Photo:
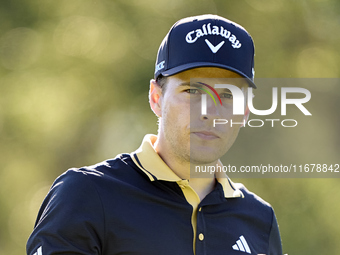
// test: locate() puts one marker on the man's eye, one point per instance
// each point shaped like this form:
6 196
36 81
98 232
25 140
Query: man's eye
226 95
192 91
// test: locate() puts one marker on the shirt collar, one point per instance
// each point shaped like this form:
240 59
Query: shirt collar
147 159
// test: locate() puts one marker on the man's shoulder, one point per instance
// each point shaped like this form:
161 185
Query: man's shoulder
119 168
106 167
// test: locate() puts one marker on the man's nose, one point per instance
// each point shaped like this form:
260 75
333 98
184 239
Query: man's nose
210 108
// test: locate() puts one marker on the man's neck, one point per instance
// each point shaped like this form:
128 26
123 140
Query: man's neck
202 185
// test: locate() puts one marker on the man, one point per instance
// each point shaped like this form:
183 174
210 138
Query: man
147 202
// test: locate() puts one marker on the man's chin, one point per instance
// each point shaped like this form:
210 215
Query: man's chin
203 158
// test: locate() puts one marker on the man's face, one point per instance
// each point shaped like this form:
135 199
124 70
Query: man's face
186 133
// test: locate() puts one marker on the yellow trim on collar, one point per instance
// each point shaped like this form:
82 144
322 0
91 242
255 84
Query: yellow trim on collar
153 166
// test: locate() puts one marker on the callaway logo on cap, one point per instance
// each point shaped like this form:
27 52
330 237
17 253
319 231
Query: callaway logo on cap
206 41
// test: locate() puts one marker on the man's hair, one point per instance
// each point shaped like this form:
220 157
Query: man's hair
161 81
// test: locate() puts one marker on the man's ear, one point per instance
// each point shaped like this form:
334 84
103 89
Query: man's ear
155 98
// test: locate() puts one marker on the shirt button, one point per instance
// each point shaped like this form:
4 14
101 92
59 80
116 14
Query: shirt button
201 237
200 209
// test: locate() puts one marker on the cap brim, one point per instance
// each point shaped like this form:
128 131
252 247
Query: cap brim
185 67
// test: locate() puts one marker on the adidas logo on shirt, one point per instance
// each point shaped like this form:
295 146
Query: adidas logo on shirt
241 245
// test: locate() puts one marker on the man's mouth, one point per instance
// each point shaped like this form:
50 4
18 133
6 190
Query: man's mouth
206 135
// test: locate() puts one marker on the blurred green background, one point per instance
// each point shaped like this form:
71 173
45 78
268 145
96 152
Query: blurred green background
74 77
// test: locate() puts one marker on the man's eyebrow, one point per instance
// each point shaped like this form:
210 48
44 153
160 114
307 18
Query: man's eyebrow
226 90
198 85
184 84
192 84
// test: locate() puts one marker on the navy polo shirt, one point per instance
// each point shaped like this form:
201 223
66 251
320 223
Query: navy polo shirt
134 204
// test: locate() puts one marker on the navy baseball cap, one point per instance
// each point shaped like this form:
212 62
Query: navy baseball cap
206 41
